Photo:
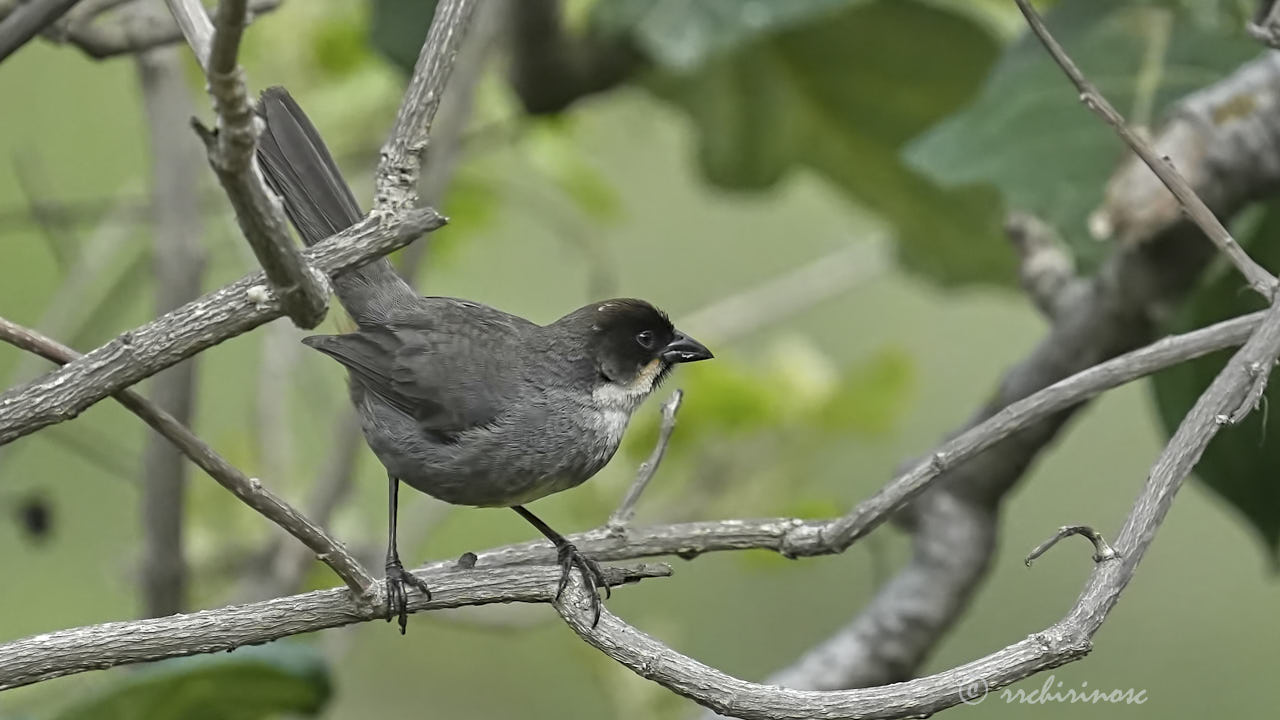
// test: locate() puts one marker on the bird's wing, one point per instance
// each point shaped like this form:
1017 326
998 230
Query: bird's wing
450 366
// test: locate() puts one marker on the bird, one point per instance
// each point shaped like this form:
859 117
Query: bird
460 400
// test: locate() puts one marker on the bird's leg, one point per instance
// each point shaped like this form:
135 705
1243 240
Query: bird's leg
569 558
397 577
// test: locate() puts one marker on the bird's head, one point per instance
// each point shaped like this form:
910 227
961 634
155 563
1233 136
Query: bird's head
632 346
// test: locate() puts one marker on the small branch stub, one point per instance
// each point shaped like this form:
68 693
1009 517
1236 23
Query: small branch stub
1101 550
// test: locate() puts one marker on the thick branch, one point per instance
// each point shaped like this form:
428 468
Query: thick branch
1259 279
96 647
401 159
248 489
196 326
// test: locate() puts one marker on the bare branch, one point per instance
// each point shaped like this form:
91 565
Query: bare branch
401 158
178 261
1065 641
96 647
1259 279
55 654
1231 154
250 490
302 294
1101 550
27 20
627 510
196 326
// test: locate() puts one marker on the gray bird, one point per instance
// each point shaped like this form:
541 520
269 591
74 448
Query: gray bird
464 402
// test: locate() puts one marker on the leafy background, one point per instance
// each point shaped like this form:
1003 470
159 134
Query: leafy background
756 138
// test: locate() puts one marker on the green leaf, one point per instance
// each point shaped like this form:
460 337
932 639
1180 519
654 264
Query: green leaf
841 96
398 28
1028 135
1240 463
248 684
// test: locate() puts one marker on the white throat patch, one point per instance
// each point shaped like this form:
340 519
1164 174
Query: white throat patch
628 396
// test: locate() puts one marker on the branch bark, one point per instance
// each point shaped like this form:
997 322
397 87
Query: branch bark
96 647
235 309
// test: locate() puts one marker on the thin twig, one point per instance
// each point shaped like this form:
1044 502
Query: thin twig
27 20
250 490
1101 550
290 561
96 647
301 293
627 510
401 159
236 308
1259 279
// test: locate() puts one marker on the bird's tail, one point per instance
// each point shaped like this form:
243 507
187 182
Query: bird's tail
298 166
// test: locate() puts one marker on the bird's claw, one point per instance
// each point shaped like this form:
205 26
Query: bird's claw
397 598
592 575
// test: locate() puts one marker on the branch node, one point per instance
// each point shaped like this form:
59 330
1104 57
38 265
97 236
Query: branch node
1101 550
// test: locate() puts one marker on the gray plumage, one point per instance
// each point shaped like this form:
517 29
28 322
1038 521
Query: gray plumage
460 400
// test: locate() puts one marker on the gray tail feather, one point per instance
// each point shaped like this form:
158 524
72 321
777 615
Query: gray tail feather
299 168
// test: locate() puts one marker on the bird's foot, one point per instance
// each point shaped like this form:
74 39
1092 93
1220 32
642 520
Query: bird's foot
592 575
397 598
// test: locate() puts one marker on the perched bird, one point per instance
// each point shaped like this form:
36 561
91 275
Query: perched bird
459 400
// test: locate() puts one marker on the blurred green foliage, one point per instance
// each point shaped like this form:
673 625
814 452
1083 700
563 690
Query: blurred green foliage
248 684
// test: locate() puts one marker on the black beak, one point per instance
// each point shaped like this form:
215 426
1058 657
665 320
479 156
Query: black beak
683 349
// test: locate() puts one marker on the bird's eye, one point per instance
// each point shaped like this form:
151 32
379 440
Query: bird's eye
645 339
